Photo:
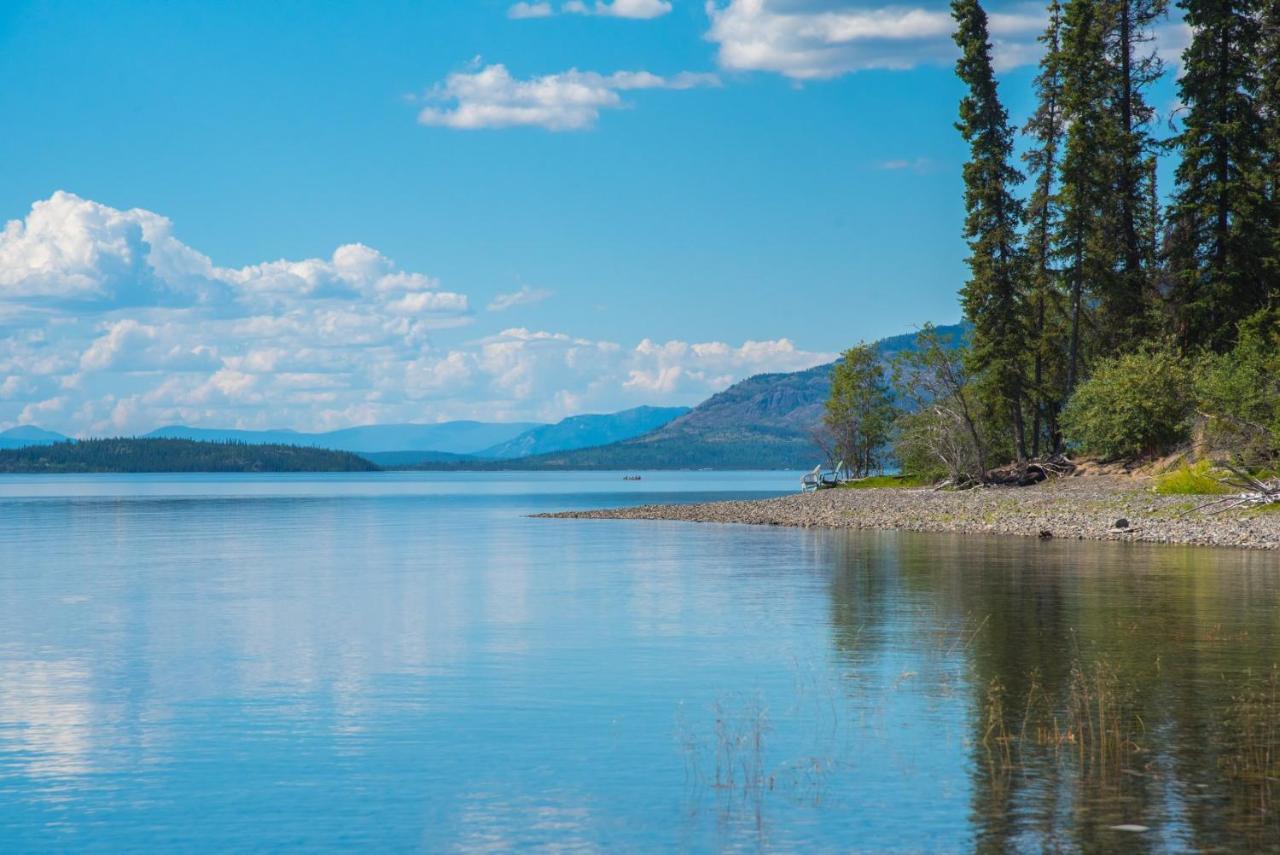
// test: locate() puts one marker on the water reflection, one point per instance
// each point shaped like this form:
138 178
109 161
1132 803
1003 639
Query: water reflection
1107 685
437 670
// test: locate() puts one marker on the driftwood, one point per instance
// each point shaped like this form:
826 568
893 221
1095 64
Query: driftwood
1254 493
1030 472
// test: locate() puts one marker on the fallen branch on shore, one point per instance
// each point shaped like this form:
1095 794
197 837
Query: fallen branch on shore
1255 492
1030 472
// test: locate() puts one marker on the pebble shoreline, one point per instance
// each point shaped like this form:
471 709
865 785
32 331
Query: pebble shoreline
1084 508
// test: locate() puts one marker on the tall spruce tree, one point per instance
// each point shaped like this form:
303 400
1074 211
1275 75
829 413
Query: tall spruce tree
1220 243
992 298
1132 66
1084 243
1045 130
1269 105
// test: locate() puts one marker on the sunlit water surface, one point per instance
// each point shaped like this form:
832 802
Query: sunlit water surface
409 661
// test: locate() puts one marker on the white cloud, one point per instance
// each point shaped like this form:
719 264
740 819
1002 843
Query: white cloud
530 10
568 101
113 326
72 250
918 165
636 9
814 41
523 297
632 9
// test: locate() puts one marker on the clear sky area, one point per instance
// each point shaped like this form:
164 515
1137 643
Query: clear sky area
315 215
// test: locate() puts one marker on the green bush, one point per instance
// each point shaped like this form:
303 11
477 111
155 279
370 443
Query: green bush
1188 480
1134 405
1239 392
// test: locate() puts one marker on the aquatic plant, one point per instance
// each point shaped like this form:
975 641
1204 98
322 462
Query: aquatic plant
1095 723
1252 723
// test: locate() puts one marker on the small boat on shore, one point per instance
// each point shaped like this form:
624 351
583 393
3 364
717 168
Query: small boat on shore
630 477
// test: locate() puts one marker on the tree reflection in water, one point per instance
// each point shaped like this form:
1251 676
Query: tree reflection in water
1106 685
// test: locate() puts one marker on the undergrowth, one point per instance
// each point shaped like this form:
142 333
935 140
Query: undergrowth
1199 479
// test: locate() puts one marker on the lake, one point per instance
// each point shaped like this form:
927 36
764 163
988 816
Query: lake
408 661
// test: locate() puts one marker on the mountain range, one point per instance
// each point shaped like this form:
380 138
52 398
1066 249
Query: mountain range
584 432
763 422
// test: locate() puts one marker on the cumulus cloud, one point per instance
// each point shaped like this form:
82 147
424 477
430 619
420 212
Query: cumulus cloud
72 250
113 326
523 297
814 41
568 101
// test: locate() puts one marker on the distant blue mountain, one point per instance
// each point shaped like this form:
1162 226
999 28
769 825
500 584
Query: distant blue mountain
584 432
460 437
24 436
763 422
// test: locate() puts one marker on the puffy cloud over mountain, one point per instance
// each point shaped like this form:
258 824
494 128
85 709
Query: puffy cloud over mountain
111 324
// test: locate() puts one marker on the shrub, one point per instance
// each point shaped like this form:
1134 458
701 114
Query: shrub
1197 480
1239 392
1134 405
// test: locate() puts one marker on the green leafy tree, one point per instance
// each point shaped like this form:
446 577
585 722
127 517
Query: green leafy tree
1133 405
1239 392
993 297
940 427
1221 216
859 413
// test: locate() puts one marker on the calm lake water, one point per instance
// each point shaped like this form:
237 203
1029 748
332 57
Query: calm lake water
408 661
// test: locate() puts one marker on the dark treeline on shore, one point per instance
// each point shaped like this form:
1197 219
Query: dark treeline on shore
176 455
1107 316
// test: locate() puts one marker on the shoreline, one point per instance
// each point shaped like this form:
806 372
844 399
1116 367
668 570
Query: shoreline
1079 508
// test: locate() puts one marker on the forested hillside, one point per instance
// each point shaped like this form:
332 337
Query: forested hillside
176 455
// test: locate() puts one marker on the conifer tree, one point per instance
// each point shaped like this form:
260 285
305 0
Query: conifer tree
1083 243
1221 211
992 298
1132 66
1045 130
1269 106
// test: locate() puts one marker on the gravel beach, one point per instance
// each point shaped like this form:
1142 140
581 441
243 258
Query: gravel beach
1082 508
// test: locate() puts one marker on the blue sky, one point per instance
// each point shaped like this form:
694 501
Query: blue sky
555 208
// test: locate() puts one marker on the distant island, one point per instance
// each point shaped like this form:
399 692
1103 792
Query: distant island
175 455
